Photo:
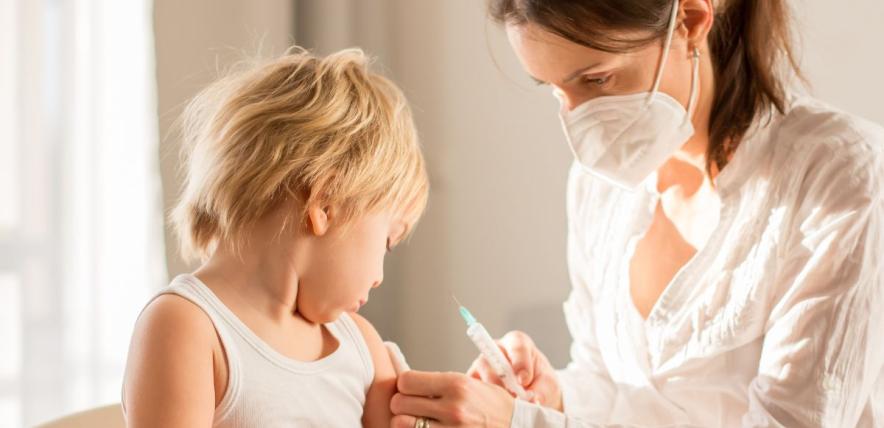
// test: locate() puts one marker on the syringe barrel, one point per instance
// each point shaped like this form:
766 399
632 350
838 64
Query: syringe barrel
495 358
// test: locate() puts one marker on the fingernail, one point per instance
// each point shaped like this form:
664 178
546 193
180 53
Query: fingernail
523 378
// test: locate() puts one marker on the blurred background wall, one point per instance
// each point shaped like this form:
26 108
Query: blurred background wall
196 40
494 232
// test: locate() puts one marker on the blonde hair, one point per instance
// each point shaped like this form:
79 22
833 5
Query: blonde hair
316 130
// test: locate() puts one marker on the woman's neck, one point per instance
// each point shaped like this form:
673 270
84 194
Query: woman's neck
686 168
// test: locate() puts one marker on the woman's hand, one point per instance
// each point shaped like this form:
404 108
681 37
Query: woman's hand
531 367
449 400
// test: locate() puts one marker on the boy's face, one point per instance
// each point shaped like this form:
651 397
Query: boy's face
344 264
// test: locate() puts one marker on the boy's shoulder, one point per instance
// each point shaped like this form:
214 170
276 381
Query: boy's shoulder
170 361
175 320
372 338
380 357
177 310
377 400
365 326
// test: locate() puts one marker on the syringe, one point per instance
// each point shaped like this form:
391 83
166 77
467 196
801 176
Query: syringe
493 355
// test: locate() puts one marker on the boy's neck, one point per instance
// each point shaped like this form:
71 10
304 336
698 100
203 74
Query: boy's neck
260 276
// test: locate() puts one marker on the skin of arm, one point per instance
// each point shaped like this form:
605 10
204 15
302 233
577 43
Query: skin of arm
377 402
170 376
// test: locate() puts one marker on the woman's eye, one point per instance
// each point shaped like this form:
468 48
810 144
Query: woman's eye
597 81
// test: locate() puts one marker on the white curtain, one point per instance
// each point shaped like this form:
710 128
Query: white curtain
80 214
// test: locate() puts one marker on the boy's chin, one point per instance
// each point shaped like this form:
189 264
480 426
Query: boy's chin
328 317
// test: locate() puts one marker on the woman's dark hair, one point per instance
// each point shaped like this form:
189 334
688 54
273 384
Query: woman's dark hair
748 42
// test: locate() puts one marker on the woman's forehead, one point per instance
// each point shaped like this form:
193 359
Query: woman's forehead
551 58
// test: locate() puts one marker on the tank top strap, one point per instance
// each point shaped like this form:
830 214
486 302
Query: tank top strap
345 329
187 287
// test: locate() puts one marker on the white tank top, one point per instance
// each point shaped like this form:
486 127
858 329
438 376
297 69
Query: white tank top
267 389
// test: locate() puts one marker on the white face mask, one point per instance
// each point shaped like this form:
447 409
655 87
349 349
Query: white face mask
625 138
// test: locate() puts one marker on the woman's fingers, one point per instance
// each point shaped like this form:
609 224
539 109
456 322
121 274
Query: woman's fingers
546 384
480 369
402 404
427 384
450 399
476 369
442 411
520 350
408 421
521 354
538 390
473 371
403 421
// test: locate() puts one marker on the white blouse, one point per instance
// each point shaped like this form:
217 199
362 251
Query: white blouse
777 321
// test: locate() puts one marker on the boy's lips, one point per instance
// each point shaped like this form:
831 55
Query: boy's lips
360 304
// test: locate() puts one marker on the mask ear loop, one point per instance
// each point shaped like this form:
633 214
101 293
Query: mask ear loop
668 44
695 80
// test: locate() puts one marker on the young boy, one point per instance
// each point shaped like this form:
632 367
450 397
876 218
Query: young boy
302 174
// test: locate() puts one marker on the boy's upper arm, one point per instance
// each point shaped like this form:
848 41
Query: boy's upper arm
377 402
169 372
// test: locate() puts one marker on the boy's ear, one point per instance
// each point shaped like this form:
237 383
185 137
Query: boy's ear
318 219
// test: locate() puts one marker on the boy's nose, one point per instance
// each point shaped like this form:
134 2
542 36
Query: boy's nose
377 283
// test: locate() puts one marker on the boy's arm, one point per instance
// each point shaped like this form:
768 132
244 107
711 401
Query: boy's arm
377 402
169 372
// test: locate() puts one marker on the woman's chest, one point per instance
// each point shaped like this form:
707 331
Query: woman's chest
662 251
708 301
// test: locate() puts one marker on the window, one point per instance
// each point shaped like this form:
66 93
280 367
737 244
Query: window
80 217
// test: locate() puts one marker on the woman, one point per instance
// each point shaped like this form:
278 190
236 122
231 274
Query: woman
724 231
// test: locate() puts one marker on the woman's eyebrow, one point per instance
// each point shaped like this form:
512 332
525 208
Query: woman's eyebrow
570 77
577 73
